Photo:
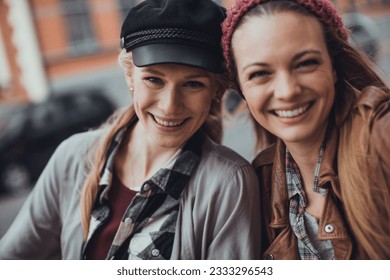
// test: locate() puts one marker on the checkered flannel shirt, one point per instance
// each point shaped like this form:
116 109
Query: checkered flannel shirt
147 228
298 202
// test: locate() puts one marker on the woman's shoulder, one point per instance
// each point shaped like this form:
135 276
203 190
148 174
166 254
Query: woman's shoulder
265 157
80 143
373 116
222 165
75 149
69 162
223 168
372 110
220 155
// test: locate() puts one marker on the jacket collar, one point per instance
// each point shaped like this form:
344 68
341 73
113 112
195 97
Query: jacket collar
328 170
279 195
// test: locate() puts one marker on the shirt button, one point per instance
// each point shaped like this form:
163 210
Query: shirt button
329 228
146 187
155 252
269 257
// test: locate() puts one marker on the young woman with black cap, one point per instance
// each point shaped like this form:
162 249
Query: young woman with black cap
152 184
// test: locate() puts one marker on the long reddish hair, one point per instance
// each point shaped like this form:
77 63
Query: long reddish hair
365 202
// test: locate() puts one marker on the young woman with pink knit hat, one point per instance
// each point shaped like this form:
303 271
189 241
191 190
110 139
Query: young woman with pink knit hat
325 182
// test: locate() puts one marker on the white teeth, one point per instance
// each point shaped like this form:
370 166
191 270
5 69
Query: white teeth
291 113
168 124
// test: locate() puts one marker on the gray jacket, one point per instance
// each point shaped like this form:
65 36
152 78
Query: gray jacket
219 215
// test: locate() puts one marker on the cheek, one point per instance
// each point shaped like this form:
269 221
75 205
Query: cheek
257 103
331 100
202 101
204 108
329 95
140 103
240 83
254 99
255 109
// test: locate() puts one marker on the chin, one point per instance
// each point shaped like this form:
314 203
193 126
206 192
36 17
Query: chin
292 136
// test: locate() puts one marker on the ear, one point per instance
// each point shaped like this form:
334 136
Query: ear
129 80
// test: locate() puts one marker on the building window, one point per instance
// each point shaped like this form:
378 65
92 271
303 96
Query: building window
80 32
126 5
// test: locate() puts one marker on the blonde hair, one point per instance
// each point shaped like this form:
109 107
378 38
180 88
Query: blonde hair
212 127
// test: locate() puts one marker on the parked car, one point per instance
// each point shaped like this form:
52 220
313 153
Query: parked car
30 133
364 33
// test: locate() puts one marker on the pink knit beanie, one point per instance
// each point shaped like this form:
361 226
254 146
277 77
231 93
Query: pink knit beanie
324 10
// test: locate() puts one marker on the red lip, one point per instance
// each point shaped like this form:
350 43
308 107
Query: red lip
175 123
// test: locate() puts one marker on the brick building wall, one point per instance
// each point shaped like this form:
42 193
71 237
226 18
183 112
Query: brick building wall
78 43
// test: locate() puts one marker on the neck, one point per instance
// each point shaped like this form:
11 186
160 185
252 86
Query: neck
306 154
138 159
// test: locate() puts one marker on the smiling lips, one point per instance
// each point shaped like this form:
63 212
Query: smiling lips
292 113
168 123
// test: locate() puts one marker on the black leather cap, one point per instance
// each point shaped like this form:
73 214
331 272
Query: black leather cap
184 32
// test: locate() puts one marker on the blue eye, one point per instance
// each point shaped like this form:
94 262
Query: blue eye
153 80
194 84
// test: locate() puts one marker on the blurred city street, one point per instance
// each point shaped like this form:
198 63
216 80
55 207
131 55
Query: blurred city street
238 133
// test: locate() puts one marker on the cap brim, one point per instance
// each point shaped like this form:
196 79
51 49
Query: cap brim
177 54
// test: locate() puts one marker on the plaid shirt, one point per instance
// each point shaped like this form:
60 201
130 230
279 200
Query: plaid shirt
307 250
147 228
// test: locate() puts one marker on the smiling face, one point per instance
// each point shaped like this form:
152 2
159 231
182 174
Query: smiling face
171 101
286 74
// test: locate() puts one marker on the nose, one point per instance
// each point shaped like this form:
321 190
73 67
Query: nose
286 86
170 101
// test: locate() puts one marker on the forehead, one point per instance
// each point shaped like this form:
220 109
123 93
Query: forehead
271 33
173 69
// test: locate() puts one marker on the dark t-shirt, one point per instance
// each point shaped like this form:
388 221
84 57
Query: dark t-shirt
119 198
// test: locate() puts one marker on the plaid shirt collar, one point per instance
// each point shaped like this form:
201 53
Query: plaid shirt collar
297 198
164 188
185 164
294 176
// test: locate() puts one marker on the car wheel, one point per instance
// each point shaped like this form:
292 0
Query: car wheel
15 177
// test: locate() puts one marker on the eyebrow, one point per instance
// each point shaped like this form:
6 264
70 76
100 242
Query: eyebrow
303 53
200 75
295 57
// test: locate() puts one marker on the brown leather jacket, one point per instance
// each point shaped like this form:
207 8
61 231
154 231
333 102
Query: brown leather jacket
278 239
